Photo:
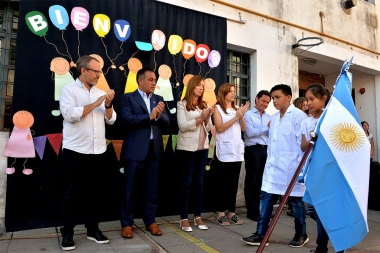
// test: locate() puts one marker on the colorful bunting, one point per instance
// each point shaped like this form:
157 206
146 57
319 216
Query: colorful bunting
55 141
39 145
117 144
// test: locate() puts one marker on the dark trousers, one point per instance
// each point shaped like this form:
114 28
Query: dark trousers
82 174
193 171
255 157
226 182
143 172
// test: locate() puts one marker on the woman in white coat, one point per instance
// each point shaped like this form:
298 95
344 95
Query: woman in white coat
193 117
229 123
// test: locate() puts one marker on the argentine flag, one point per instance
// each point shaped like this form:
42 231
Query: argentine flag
338 175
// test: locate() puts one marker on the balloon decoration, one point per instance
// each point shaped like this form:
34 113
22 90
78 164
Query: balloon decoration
80 18
158 42
213 60
174 46
201 53
102 26
188 51
60 18
38 24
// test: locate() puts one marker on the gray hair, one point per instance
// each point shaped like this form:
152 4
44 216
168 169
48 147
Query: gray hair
83 62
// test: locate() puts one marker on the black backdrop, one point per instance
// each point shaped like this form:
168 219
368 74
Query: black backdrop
34 201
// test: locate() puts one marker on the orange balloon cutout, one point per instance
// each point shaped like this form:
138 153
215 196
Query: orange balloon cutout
202 52
23 120
188 48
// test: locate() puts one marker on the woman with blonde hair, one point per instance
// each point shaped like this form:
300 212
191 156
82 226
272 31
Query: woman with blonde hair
301 103
229 123
193 117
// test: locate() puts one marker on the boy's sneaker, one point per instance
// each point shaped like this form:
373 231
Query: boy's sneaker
96 235
254 239
68 243
299 240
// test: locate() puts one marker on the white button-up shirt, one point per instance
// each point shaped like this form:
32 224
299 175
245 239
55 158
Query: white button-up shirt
83 135
147 103
284 152
256 131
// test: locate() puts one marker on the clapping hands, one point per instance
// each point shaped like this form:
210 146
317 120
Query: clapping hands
242 109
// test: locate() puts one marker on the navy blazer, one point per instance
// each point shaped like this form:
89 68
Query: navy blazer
137 126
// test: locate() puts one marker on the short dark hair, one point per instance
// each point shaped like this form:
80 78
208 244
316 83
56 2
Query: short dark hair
286 90
83 61
262 93
141 73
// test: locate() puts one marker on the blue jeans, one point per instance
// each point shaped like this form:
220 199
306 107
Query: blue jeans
268 200
193 171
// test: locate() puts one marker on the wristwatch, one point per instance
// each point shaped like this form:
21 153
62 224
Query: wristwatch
107 107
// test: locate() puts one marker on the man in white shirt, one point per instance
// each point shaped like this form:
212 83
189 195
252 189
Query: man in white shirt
284 155
255 155
85 110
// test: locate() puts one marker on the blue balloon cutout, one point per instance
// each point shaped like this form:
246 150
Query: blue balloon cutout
122 30
59 16
144 46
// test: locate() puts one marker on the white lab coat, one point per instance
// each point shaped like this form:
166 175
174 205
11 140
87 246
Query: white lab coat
284 152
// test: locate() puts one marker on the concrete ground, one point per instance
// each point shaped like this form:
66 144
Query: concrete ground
216 239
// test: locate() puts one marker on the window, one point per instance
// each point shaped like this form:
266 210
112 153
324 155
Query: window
15 21
238 73
2 10
10 81
12 52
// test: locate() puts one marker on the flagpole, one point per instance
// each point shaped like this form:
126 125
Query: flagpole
286 196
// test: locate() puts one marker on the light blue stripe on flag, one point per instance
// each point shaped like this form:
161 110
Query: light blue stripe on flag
338 173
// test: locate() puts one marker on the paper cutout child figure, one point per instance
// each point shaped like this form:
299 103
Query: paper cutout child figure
102 82
134 65
20 143
60 66
209 94
163 86
185 80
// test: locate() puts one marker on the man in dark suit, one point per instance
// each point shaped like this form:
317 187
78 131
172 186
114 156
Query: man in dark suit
143 115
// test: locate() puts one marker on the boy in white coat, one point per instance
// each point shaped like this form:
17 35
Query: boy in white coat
284 155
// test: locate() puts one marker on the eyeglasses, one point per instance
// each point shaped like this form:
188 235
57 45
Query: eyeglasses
98 72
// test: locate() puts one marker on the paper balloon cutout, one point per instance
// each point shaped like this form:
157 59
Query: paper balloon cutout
37 23
202 52
102 24
158 39
144 46
59 16
122 30
79 18
188 48
175 44
214 59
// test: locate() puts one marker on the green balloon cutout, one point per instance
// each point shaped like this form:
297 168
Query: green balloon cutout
37 23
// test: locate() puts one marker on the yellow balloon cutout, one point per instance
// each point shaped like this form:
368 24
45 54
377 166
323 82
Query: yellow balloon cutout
175 44
102 24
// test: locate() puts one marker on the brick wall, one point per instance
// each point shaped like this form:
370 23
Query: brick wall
306 78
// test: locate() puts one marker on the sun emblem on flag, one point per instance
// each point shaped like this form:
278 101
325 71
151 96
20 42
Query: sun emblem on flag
347 137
